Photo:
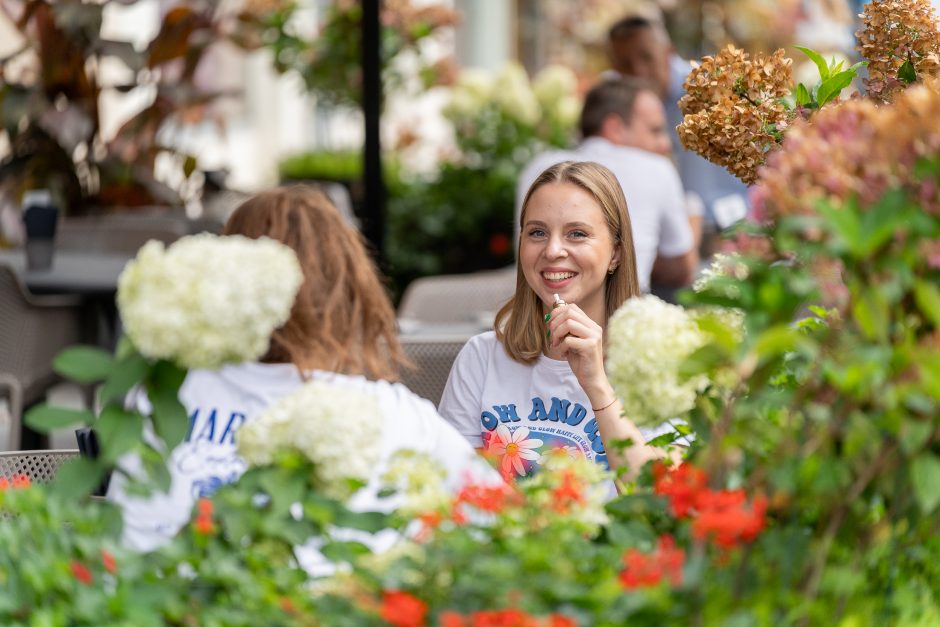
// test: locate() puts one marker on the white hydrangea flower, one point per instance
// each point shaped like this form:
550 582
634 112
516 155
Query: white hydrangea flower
648 339
553 83
514 95
722 265
207 300
420 480
474 89
333 427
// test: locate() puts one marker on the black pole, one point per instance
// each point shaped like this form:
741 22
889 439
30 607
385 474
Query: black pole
373 218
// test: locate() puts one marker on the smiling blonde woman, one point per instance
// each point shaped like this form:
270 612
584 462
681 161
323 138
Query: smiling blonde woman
538 381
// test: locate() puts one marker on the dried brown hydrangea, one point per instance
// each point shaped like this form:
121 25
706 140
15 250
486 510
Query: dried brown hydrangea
893 32
733 107
856 148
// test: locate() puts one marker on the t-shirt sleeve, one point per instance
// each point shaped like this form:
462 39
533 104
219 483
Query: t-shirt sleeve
675 232
460 402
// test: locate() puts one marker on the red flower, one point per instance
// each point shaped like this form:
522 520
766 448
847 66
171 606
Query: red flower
502 618
560 620
18 482
570 491
451 619
489 498
500 244
402 609
81 572
642 570
108 561
286 605
726 517
205 507
204 525
682 485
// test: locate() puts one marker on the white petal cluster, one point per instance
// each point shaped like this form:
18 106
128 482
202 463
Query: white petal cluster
207 300
722 265
335 428
420 480
648 340
473 91
514 94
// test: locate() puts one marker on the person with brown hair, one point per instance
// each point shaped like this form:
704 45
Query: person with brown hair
341 331
538 381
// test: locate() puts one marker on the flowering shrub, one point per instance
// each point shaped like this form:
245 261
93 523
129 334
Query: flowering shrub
318 420
647 340
901 41
734 110
176 303
500 122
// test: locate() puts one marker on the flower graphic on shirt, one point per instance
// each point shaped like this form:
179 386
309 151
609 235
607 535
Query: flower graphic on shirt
513 447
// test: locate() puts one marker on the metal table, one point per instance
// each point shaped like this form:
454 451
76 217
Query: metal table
92 273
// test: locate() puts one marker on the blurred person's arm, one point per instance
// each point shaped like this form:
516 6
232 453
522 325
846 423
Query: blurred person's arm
676 264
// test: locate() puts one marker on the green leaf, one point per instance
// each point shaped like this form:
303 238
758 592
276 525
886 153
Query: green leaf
119 431
818 59
833 86
803 97
85 364
77 478
373 522
844 224
907 73
169 416
927 297
129 371
344 551
870 311
914 434
925 477
45 418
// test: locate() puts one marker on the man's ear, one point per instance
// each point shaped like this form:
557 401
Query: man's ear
613 129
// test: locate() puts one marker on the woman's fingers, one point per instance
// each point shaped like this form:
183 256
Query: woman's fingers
571 327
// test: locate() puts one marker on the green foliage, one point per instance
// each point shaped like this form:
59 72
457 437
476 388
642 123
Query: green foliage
832 80
51 115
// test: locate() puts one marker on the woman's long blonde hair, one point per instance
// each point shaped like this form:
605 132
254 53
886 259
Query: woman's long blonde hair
519 325
342 320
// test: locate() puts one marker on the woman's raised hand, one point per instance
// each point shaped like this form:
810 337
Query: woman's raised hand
574 336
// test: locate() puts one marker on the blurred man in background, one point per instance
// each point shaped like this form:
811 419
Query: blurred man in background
641 48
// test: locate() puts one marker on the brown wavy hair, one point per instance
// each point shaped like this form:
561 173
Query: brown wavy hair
342 320
518 325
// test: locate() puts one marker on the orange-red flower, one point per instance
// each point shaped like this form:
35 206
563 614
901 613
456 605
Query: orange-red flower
205 507
81 572
108 561
489 498
642 570
18 482
451 619
560 620
402 609
726 517
682 485
568 493
502 618
203 523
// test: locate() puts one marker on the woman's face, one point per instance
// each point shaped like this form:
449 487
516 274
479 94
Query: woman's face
566 248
